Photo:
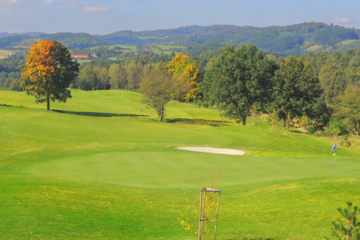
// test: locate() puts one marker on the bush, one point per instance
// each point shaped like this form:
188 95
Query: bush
337 127
311 129
15 85
345 142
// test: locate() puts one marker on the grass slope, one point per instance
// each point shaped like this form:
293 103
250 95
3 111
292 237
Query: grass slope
102 167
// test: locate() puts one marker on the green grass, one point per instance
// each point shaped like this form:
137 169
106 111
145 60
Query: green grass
314 48
168 47
346 42
102 167
81 61
152 37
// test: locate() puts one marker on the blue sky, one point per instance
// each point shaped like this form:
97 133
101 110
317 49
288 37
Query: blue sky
107 16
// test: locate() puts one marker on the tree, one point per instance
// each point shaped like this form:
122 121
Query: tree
48 71
157 89
85 77
331 78
134 74
337 128
239 79
349 228
295 88
187 75
274 118
349 107
118 76
103 78
353 71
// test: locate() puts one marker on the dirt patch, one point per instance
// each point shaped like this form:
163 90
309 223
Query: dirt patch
225 151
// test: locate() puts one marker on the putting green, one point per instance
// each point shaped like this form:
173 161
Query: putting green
174 169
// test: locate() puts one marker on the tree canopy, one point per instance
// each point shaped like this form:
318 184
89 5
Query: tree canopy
48 71
187 75
239 79
158 89
295 88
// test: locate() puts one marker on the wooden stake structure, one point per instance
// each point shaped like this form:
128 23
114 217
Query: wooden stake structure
203 218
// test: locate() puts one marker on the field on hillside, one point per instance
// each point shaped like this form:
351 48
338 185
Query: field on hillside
4 53
155 48
102 167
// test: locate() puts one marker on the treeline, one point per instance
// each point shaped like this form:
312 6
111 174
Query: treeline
337 71
335 34
105 74
315 91
10 72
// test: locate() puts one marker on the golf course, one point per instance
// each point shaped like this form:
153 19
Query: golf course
101 166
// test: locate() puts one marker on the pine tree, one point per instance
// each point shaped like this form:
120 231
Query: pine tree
348 227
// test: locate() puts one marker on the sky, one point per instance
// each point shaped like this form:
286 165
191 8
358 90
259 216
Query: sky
108 16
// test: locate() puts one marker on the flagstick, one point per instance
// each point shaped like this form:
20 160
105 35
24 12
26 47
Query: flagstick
335 161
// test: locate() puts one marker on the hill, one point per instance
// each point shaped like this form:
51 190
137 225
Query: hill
102 167
278 40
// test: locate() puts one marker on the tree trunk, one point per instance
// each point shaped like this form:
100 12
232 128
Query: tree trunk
348 235
48 103
161 117
243 121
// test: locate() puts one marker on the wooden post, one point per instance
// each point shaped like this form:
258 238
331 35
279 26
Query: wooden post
200 214
217 215
202 209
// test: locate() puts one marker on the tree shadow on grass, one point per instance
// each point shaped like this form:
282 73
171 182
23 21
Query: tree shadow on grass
296 131
213 123
98 114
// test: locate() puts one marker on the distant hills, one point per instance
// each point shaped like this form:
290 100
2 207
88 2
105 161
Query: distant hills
279 40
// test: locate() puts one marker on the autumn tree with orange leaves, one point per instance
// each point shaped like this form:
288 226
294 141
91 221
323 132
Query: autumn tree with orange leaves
48 71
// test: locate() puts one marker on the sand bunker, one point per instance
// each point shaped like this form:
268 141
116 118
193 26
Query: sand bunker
213 150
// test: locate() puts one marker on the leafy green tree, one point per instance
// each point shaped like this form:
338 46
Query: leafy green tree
332 78
274 118
238 79
353 71
115 75
103 78
348 229
337 128
134 77
95 82
157 89
84 77
349 107
295 88
320 114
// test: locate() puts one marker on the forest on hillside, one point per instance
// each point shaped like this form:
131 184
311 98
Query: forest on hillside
278 40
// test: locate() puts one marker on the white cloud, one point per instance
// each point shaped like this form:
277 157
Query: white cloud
48 1
95 9
341 20
4 9
85 8
8 2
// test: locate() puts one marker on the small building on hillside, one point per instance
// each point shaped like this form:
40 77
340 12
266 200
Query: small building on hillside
77 57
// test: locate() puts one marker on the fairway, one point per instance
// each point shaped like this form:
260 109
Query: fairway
102 167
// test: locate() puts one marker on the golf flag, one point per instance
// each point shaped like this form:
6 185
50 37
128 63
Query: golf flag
334 147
